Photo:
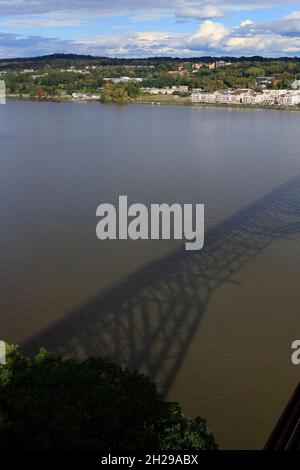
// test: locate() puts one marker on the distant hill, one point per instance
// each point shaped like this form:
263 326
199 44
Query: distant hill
135 61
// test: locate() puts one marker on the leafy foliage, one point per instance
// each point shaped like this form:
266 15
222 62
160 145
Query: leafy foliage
61 75
114 94
50 403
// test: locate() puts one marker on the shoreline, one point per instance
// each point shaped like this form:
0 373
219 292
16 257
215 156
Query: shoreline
155 102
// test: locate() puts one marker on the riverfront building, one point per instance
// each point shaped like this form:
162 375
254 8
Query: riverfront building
248 97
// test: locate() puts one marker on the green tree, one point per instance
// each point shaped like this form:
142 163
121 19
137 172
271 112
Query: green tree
50 403
114 94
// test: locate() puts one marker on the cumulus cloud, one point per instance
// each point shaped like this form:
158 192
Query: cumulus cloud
263 44
280 37
135 44
211 38
209 35
248 39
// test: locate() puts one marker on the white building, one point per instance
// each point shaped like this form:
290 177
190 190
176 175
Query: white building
2 92
166 90
289 99
123 79
248 97
85 96
296 85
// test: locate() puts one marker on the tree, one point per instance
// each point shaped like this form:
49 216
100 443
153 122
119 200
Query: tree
40 93
133 89
50 403
114 94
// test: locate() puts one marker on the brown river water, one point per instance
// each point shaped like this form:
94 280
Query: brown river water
214 327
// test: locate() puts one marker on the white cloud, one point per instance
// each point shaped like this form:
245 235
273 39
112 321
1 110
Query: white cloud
135 44
212 37
207 12
245 40
118 7
41 22
288 26
152 15
209 34
294 15
264 44
246 23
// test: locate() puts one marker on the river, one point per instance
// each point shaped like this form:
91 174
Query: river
213 328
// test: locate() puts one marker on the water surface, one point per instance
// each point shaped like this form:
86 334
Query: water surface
213 328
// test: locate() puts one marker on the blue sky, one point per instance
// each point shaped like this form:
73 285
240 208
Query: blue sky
136 28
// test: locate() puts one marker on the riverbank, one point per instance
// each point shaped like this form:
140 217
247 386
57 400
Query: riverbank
26 97
159 100
172 100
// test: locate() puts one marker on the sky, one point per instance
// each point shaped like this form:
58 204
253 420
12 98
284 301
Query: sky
147 28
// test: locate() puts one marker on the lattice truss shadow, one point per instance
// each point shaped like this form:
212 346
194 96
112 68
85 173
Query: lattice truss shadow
148 321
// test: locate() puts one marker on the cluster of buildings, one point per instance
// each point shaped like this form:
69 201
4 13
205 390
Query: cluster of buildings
166 90
84 71
247 97
215 65
85 96
123 79
219 64
181 70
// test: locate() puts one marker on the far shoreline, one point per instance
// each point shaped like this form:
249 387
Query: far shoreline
155 102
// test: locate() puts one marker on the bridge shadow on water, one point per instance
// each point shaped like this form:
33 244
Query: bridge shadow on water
148 321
